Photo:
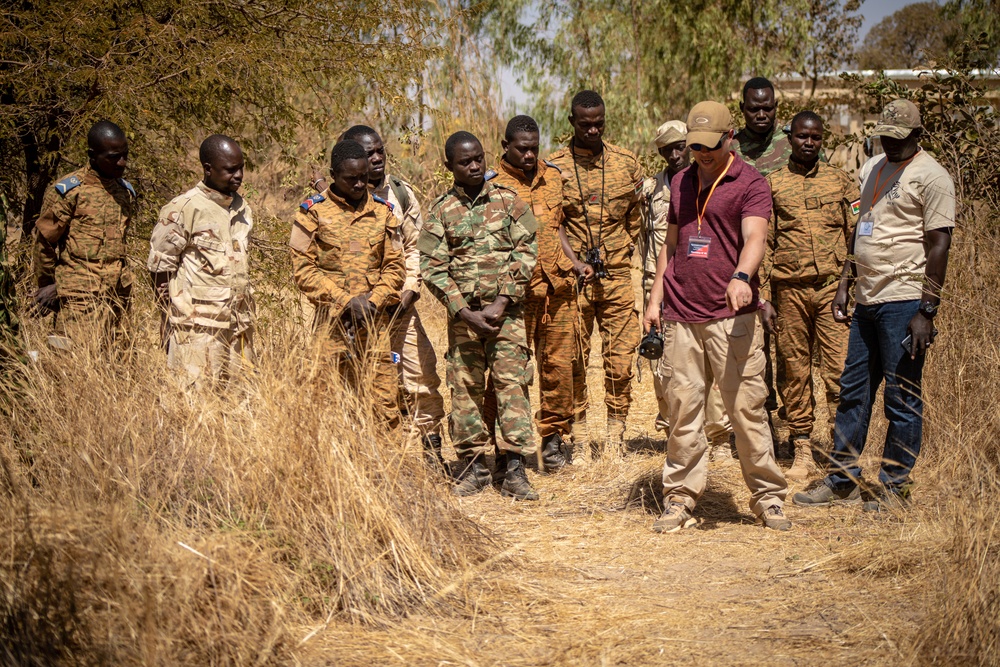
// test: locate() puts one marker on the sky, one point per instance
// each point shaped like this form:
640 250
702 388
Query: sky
873 11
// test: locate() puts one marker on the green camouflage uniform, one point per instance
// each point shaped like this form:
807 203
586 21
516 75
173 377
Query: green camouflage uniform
8 302
471 253
814 216
80 246
767 154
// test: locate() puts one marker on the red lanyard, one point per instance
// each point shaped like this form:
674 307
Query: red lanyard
701 211
878 177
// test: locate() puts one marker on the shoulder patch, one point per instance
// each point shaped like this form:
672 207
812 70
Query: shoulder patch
855 207
312 201
67 184
490 175
128 186
379 200
553 165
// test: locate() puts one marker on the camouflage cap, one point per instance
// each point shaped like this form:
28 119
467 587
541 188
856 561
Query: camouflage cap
670 133
899 118
707 122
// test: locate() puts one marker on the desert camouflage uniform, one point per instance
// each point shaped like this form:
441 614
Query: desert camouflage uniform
8 302
338 253
806 250
80 247
471 253
615 221
201 240
550 315
656 193
417 365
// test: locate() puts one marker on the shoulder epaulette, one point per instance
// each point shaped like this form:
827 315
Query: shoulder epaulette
312 201
128 186
490 175
67 184
379 200
553 165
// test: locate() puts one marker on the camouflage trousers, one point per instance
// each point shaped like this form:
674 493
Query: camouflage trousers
417 369
610 303
508 360
363 364
805 326
204 356
550 327
97 319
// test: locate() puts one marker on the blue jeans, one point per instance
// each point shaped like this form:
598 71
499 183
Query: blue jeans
874 353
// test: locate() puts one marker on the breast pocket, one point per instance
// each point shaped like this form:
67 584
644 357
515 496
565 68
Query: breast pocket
498 234
618 202
329 248
84 241
212 253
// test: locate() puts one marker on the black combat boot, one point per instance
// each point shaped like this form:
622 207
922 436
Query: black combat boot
515 481
553 458
475 477
432 452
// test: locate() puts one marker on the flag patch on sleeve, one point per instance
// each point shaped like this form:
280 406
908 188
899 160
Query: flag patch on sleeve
856 207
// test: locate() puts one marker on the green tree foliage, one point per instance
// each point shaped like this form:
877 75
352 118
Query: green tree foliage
170 72
908 37
650 59
981 19
829 41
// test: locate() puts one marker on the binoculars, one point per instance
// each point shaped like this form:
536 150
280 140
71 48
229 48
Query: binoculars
651 346
593 257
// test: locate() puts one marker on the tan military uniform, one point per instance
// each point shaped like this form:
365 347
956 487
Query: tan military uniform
602 207
80 247
656 192
550 309
338 253
814 216
201 240
417 364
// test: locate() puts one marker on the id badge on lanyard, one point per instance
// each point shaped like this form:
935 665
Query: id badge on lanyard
866 225
698 247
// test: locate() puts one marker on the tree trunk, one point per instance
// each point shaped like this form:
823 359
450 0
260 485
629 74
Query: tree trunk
40 165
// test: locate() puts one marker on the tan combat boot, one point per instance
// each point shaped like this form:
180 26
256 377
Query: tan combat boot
802 466
616 437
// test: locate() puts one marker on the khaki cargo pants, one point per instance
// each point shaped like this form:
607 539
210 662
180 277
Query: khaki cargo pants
733 349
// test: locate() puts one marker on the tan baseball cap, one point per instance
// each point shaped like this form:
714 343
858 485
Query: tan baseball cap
899 118
670 133
707 122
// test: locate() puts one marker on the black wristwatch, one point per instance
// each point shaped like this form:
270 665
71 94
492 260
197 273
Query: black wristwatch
739 275
927 309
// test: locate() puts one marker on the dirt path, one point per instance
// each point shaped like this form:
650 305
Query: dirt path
581 579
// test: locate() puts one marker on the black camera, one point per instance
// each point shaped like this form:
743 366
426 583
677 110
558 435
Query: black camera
593 258
651 346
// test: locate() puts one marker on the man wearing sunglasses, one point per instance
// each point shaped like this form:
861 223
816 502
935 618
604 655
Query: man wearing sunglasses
708 290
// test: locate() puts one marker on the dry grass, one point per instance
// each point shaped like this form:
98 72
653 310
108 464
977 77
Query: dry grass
273 524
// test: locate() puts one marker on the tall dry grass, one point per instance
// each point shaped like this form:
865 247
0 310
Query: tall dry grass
143 525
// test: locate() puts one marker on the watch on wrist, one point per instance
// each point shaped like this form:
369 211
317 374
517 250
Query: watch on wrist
928 309
739 275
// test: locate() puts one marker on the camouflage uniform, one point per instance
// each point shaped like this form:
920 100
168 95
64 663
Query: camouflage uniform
656 193
201 241
417 365
80 247
338 253
806 250
550 314
602 197
471 253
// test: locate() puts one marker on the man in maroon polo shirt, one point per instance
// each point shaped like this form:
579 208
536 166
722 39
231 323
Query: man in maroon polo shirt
706 296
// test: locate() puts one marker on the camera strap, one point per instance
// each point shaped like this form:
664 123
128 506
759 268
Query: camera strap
583 200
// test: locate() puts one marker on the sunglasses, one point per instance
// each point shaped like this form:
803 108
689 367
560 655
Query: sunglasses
702 147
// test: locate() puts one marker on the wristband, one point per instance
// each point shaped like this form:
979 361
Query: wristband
739 275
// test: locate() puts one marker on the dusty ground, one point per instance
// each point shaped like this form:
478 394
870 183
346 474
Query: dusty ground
581 579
